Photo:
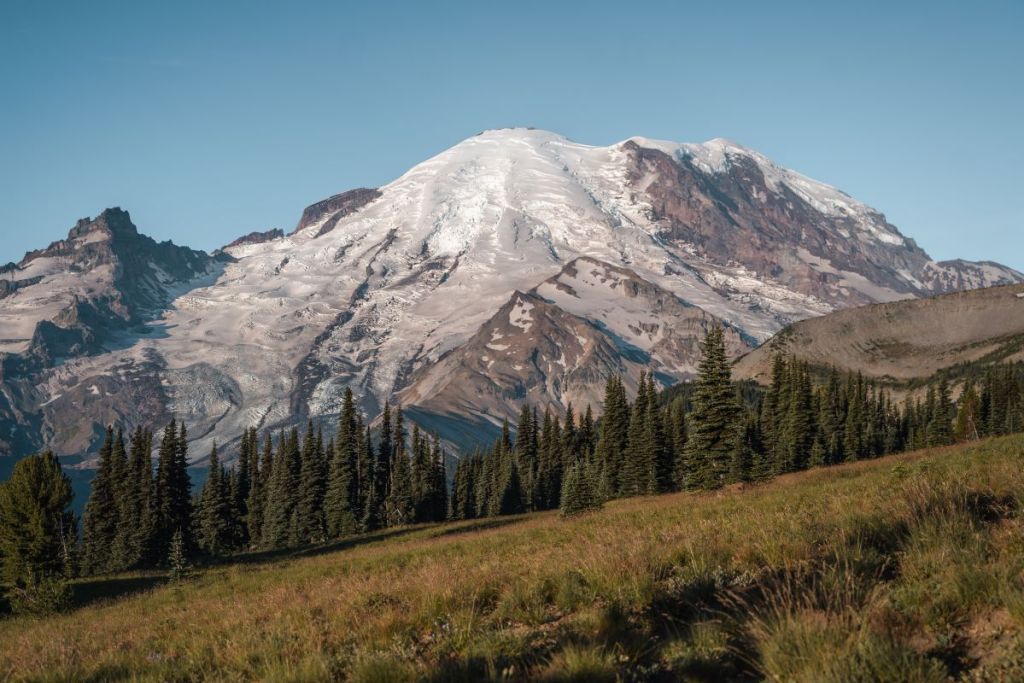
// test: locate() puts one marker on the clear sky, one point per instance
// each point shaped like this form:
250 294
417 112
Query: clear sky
208 120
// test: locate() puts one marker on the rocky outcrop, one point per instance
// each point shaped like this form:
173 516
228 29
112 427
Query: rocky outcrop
256 238
557 344
812 239
80 298
326 213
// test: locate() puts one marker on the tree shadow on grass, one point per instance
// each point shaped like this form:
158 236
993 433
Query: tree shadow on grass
277 555
480 525
85 593
102 588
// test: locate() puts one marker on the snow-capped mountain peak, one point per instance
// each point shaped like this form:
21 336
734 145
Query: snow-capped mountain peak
377 286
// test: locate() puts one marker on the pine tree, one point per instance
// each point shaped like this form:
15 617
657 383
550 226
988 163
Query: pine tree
177 557
637 474
373 503
36 526
310 521
549 464
939 428
713 422
279 514
677 430
399 503
248 456
614 437
798 428
100 522
257 502
853 437
181 491
214 529
135 524
578 490
966 428
439 483
342 487
526 457
463 503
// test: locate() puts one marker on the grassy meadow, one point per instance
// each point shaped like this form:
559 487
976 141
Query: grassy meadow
906 568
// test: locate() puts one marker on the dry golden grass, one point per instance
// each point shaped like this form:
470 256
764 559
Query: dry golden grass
891 569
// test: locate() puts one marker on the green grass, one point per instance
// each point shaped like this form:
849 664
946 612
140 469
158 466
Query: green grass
909 568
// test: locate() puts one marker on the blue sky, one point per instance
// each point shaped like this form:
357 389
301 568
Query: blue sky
210 120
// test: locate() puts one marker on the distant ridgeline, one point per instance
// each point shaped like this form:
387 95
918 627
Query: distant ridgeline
292 489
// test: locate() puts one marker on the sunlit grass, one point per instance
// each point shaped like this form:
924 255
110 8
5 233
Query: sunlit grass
904 568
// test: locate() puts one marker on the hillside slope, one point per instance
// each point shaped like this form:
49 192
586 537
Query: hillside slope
903 340
903 568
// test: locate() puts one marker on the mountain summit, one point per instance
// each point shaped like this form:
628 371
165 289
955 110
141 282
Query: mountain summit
624 255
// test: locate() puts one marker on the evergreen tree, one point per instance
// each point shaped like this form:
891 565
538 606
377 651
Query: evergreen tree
342 485
248 456
177 492
578 490
374 493
279 514
132 546
399 503
678 436
637 476
257 502
214 524
967 414
527 458
713 424
439 483
463 503
939 428
311 524
550 458
614 437
100 522
37 530
177 557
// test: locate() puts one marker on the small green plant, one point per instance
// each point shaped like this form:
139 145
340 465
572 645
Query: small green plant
41 597
581 664
177 558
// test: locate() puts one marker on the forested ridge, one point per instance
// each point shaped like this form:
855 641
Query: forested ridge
290 489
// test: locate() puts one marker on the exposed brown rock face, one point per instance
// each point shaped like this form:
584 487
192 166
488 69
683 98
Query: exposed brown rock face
737 217
556 345
335 208
256 237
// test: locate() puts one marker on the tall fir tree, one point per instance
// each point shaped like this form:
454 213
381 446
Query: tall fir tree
399 503
713 424
214 524
342 485
614 437
100 522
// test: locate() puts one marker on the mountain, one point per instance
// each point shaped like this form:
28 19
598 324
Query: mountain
555 345
380 288
68 308
904 340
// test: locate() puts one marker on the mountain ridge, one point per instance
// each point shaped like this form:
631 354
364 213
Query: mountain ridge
376 286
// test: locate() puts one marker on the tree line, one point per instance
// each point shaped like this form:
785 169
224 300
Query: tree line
293 489
289 491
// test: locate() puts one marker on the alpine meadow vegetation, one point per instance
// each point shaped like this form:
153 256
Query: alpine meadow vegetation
711 530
